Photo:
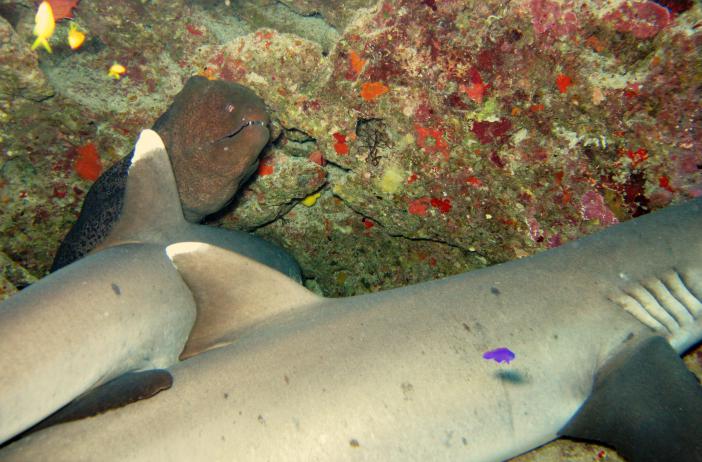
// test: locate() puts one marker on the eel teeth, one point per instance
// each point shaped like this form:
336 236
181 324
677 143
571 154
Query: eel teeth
250 123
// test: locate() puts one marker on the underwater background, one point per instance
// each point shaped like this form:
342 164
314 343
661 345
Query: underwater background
413 139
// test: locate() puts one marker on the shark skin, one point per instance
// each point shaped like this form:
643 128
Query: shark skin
399 375
122 308
116 311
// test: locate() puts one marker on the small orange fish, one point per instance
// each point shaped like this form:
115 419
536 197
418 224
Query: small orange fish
116 71
75 37
44 26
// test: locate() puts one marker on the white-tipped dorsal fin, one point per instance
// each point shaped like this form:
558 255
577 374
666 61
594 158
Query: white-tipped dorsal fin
232 292
151 207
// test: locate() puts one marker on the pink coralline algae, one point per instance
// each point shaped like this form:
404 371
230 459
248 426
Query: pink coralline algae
340 146
676 6
554 241
592 207
664 182
489 132
431 140
419 206
553 17
497 160
535 231
474 181
643 19
318 158
477 88
637 157
443 205
563 82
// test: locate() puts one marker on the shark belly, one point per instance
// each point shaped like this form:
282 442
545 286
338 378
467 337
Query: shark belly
85 325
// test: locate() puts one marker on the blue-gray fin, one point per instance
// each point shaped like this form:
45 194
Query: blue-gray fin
120 391
151 206
232 293
645 404
101 210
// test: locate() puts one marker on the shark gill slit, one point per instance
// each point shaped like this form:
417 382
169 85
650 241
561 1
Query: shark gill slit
693 281
663 304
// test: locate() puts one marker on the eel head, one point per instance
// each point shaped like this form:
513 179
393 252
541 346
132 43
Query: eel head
214 132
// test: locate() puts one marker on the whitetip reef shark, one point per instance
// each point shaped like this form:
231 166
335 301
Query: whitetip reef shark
122 308
597 326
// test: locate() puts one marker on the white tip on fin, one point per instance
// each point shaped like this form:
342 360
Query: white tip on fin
147 144
232 292
174 251
151 208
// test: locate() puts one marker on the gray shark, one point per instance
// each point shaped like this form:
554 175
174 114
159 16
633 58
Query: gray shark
596 327
121 308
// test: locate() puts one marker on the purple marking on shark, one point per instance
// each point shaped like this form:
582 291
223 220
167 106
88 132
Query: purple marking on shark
500 355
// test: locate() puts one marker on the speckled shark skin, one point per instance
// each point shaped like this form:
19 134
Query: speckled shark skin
399 375
122 308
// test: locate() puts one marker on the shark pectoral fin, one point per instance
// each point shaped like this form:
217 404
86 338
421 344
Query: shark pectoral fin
232 292
646 404
151 202
120 391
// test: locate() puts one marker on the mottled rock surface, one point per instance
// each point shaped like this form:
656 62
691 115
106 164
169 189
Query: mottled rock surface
441 135
20 76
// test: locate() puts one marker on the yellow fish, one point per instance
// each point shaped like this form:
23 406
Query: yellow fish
116 70
44 26
75 37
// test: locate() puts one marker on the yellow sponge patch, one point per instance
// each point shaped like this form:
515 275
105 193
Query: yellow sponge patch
392 180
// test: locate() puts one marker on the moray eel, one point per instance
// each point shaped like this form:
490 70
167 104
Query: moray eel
213 132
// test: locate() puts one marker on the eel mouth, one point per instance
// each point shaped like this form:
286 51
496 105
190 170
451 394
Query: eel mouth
251 123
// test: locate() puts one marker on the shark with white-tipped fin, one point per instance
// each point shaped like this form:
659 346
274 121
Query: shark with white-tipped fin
596 326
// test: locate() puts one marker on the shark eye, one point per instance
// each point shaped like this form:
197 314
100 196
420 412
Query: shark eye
229 108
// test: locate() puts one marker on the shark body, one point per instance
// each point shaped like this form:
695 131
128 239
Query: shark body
400 375
121 308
